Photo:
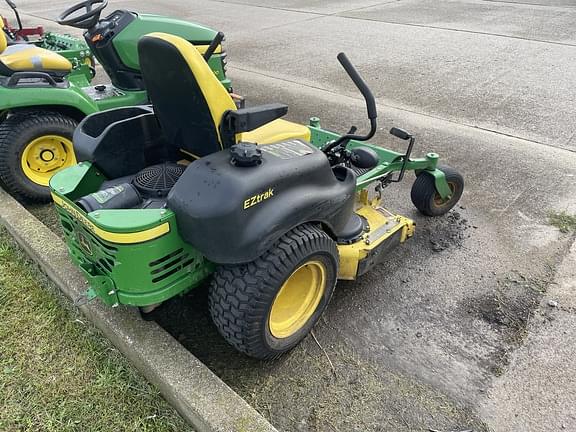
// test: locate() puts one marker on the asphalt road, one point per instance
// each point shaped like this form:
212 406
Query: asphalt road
436 337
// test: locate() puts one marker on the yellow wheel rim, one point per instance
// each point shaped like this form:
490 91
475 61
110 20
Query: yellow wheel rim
297 299
44 156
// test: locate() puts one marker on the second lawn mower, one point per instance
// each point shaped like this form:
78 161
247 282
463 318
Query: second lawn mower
36 41
45 86
272 212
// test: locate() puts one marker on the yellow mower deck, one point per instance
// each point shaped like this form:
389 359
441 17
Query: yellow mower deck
385 231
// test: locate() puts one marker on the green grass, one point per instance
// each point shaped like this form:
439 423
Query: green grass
57 372
565 222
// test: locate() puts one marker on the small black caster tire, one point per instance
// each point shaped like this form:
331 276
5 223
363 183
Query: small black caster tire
266 307
426 198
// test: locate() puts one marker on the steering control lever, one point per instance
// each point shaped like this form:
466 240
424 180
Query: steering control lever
360 84
406 136
370 105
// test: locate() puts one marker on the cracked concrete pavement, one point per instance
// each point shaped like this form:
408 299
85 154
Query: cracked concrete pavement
487 84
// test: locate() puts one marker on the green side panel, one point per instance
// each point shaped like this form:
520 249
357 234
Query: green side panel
128 221
124 98
80 79
137 274
76 181
126 43
72 96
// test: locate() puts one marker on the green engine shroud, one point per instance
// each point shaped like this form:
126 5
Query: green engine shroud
133 257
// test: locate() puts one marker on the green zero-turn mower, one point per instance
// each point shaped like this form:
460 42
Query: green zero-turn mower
44 94
270 211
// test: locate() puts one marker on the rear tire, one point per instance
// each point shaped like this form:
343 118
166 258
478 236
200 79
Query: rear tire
266 307
426 198
25 167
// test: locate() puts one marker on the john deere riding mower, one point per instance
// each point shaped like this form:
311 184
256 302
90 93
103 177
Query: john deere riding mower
270 211
45 87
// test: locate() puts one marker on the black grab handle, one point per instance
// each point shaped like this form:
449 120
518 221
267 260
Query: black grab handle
16 77
359 82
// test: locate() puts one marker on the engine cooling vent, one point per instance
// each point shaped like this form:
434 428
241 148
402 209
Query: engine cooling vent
157 180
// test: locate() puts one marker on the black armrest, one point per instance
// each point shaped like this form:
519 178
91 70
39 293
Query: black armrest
247 119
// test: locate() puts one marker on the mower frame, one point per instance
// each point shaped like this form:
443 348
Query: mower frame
390 161
151 236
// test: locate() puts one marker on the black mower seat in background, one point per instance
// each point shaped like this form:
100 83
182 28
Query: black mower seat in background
30 58
189 101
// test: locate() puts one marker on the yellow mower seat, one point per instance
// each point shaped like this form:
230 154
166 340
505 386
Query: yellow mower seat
30 58
190 102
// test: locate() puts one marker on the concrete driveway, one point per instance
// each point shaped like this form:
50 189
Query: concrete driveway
454 332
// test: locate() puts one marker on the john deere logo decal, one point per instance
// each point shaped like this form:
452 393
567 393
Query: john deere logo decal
85 243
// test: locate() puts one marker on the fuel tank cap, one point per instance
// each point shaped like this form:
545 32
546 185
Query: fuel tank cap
245 154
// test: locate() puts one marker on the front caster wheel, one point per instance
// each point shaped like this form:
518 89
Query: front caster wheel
266 307
428 201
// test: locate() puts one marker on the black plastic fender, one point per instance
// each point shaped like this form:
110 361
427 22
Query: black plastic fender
233 214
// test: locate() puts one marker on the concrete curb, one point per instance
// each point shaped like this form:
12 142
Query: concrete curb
204 400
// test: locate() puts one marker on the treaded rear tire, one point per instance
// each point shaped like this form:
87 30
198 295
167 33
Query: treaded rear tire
241 296
425 197
16 132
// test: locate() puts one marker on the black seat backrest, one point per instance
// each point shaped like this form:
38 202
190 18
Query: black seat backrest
188 99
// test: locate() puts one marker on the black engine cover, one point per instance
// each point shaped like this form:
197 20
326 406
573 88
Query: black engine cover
233 214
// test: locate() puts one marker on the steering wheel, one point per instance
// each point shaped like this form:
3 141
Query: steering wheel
75 18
